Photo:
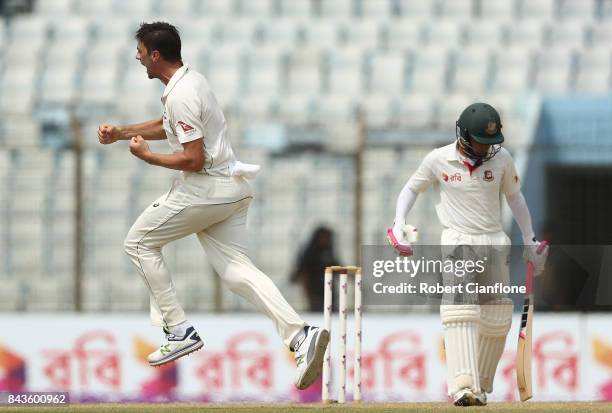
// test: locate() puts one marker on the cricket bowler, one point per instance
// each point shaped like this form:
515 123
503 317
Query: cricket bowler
471 175
210 199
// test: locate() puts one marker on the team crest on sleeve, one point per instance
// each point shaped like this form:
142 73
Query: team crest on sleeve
185 126
488 176
445 176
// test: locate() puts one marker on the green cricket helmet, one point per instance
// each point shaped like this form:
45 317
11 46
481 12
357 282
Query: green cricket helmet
481 122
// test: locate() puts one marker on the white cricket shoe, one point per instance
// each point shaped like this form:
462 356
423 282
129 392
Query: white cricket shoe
309 354
175 347
481 399
465 397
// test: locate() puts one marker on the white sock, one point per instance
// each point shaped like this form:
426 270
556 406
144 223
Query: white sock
179 330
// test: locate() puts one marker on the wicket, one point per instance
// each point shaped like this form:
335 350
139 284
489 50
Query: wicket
342 310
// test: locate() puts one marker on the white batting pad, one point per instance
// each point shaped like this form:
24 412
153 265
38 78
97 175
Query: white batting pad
460 324
495 321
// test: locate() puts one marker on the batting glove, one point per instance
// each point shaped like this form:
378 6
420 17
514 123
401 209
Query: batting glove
536 252
400 237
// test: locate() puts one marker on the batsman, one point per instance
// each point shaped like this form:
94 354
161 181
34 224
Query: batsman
471 175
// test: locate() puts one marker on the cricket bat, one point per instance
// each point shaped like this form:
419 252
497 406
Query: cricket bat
523 352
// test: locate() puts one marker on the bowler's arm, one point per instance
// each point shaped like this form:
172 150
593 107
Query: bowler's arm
151 130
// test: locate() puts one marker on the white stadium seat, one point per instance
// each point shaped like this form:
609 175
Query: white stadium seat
296 8
192 52
29 27
200 31
553 70
285 32
457 9
116 30
59 85
363 33
402 34
512 70
224 72
238 32
257 107
99 85
256 8
606 9
24 52
334 109
577 9
495 10
54 7
346 71
48 293
422 9
443 33
18 89
484 34
416 110
538 9
142 8
337 8
304 72
593 70
387 73
601 35
529 33
11 293
570 33
178 8
264 71
215 9
321 33
428 70
376 9
377 109
471 70
296 109
73 29
95 7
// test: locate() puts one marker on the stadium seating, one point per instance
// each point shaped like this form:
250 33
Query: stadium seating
279 64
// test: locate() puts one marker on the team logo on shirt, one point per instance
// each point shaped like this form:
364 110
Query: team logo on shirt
186 127
488 176
456 177
491 128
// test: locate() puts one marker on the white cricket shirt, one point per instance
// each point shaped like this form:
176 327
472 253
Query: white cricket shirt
470 199
191 112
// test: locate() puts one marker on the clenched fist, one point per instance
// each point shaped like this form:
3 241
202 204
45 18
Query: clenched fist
108 134
139 147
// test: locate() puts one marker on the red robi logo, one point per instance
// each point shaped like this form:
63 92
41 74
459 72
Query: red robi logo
456 177
186 127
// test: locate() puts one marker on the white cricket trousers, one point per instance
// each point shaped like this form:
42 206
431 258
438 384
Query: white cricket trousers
215 209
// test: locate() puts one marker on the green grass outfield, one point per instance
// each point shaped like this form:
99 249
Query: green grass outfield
288 408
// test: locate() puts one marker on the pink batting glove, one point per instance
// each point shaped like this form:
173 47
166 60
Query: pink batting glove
403 248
